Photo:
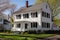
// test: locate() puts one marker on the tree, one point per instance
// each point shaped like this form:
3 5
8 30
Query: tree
54 4
57 21
11 19
5 5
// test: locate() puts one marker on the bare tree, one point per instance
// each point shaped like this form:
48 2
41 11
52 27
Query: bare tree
5 4
11 15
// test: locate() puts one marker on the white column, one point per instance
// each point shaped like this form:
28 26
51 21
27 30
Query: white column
29 14
14 25
21 15
14 16
39 20
22 26
29 25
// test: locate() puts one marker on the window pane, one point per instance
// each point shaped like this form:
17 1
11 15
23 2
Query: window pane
48 25
34 25
26 25
18 25
25 15
48 15
34 14
45 25
18 16
44 14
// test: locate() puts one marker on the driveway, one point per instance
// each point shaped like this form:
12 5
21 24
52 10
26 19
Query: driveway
57 37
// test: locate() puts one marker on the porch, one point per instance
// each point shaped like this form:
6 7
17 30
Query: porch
25 26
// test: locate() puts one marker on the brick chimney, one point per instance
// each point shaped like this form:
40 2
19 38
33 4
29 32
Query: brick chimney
27 3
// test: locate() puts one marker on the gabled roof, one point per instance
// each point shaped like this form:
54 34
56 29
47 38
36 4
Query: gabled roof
30 8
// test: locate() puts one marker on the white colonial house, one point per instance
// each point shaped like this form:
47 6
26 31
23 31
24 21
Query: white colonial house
33 17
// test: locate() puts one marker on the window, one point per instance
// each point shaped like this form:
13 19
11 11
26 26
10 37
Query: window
25 15
44 14
45 25
34 25
18 16
26 25
18 25
34 14
48 15
48 25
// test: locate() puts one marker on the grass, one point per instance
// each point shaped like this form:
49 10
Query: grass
15 38
24 36
38 35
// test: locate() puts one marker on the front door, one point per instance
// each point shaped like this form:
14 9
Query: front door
26 25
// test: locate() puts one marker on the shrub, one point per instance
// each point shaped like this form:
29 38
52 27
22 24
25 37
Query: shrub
25 39
32 31
53 32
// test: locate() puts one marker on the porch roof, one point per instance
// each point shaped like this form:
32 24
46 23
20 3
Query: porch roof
21 21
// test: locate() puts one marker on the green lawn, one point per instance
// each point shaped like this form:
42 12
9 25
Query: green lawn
24 36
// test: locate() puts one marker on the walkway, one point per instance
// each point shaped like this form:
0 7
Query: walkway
57 37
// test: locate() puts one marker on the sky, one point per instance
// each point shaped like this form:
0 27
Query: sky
19 4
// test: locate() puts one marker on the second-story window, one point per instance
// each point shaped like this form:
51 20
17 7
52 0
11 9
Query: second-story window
48 15
25 15
18 16
35 14
44 14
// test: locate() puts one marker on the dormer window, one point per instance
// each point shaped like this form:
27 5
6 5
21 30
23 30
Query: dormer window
35 14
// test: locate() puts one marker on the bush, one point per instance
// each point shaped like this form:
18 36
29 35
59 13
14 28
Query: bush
39 31
52 32
32 31
25 39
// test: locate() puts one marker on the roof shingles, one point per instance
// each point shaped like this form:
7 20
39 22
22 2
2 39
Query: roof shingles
30 8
